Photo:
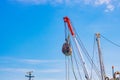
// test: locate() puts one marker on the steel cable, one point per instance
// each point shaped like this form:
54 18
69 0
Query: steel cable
110 41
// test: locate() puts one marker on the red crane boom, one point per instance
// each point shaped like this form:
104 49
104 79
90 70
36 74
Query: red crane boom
67 20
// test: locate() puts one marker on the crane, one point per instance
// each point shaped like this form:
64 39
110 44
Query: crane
67 50
67 20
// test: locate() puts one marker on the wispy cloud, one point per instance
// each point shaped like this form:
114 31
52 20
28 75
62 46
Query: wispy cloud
34 61
15 70
108 3
40 2
50 71
23 70
12 60
31 1
28 61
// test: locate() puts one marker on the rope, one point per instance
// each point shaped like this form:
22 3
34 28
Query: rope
66 68
67 61
110 41
67 57
73 68
89 58
77 65
65 30
87 55
92 57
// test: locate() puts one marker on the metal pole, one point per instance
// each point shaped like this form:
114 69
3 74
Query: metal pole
29 75
100 56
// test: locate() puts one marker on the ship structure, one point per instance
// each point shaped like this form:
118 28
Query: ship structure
76 55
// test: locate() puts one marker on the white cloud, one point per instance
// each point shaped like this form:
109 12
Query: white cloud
108 3
50 71
109 8
23 70
28 61
15 70
100 2
34 61
39 2
32 1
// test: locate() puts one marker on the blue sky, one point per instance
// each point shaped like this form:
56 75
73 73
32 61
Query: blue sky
32 34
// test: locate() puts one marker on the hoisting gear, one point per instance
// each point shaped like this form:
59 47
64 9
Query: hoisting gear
107 78
66 49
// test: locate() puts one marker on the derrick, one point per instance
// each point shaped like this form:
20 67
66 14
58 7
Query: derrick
77 56
67 49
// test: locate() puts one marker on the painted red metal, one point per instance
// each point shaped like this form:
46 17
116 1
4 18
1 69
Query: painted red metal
67 20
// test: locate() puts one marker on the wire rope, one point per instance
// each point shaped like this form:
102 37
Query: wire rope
110 41
87 55
66 75
77 64
68 69
73 68
92 58
65 31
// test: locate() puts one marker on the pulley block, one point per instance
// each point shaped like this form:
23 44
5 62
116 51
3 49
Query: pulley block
66 49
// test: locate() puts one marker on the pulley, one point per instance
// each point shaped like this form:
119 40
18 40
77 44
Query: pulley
107 78
66 49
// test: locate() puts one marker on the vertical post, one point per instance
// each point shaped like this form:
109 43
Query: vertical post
100 56
29 75
113 72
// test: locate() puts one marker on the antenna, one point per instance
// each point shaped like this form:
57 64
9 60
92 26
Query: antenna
30 76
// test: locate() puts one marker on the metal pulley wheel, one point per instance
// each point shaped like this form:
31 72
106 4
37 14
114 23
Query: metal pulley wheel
66 49
107 78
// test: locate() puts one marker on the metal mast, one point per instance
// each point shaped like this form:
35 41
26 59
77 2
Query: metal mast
30 76
103 75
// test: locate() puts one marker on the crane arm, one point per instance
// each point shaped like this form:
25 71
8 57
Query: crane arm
67 20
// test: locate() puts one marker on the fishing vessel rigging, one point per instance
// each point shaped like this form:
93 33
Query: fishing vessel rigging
76 54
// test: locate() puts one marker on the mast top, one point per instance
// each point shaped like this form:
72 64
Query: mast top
98 35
